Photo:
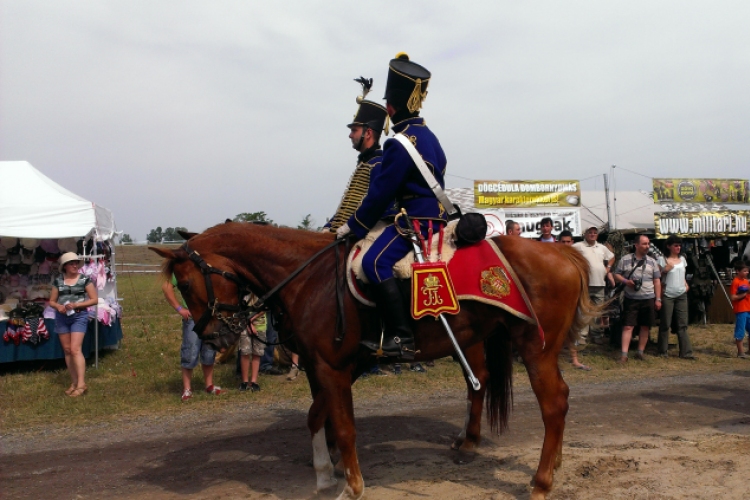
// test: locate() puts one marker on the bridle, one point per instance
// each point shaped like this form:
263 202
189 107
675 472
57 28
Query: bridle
241 313
235 322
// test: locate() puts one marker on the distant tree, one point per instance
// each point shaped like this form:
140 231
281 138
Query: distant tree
307 223
126 238
171 234
155 235
252 217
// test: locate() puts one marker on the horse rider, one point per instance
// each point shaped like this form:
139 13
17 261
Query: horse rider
364 132
398 179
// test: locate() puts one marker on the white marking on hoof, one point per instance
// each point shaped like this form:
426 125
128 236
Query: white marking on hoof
322 461
348 494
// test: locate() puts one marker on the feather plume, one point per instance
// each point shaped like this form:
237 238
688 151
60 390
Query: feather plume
366 87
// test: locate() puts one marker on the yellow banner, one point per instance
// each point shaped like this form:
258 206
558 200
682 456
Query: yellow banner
701 190
526 194
697 224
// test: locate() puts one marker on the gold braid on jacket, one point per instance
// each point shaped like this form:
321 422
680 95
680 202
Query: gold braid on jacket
353 196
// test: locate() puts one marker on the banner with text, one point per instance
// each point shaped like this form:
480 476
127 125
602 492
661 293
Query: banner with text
701 190
697 224
530 220
520 194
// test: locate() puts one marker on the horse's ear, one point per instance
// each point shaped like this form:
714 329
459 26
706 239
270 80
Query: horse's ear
164 252
185 234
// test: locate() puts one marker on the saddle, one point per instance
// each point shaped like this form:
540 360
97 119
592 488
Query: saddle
478 272
356 278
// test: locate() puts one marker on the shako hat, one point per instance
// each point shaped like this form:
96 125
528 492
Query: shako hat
407 83
370 114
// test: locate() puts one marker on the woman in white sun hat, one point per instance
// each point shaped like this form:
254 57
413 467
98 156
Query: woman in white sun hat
71 295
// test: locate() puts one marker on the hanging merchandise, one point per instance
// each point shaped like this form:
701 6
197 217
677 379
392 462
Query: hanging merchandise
28 267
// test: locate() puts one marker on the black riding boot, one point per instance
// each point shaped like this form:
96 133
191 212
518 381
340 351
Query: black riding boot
398 340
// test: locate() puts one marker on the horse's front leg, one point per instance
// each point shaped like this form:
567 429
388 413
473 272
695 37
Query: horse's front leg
470 436
336 385
316 419
552 394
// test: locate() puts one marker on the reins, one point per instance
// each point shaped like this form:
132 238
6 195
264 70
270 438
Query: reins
241 313
285 281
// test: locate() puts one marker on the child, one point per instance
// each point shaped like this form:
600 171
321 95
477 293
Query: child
741 302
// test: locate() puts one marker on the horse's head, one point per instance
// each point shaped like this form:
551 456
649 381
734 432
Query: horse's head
214 293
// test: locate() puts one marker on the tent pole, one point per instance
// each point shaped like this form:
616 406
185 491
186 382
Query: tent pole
606 197
614 197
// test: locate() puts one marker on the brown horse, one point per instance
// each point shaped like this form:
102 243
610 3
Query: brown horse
234 258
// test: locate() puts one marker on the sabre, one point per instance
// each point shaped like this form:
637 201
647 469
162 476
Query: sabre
421 259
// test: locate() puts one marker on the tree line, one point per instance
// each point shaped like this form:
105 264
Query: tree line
159 235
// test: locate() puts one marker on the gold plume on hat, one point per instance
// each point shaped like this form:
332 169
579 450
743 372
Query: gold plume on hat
402 55
366 87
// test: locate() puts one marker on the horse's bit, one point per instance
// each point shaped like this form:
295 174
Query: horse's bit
237 321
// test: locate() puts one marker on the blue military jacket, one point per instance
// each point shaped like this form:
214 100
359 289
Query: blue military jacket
399 179
357 188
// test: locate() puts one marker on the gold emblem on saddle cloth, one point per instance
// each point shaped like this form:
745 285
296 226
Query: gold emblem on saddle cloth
432 290
495 282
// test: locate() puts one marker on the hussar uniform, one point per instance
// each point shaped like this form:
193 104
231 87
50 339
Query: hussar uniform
374 116
399 180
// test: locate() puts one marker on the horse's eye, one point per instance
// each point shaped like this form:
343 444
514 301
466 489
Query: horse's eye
183 286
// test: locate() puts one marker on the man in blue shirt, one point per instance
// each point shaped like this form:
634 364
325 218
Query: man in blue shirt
398 179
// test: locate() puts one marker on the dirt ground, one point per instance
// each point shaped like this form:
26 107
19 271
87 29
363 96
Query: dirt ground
669 438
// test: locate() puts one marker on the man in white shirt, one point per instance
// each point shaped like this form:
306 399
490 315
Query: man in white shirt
600 259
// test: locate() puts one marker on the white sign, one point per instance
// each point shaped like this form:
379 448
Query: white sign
530 220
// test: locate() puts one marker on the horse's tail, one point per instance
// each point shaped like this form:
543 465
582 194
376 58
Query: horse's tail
587 311
499 391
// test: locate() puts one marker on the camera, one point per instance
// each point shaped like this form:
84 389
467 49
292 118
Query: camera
637 284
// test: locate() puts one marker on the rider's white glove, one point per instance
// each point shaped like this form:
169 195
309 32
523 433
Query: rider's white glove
343 231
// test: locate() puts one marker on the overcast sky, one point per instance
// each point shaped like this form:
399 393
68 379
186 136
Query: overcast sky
184 113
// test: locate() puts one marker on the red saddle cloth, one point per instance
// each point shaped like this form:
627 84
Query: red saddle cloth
480 272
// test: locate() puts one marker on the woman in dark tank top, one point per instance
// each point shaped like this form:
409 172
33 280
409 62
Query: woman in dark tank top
70 297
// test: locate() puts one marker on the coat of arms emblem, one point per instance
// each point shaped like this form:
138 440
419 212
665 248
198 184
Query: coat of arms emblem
495 283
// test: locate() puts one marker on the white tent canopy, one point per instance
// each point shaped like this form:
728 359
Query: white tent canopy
38 207
634 210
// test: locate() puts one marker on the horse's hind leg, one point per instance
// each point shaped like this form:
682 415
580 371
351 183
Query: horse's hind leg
552 393
470 436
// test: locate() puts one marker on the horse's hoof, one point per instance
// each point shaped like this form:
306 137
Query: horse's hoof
464 445
464 457
348 494
326 484
537 494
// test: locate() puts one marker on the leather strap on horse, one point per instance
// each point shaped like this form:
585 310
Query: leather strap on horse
340 290
239 320
294 273
340 316
213 306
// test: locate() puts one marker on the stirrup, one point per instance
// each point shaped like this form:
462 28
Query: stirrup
406 351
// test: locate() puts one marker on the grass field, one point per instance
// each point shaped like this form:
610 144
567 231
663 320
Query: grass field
143 376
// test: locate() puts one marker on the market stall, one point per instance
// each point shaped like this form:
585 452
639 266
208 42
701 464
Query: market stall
37 223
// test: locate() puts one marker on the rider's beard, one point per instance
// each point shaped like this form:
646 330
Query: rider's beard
357 141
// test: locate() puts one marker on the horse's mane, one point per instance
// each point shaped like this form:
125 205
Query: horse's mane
230 232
